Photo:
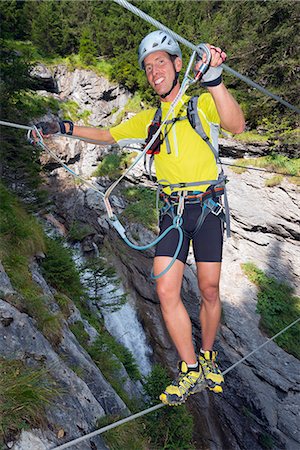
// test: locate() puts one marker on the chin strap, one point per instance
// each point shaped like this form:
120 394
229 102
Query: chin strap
175 81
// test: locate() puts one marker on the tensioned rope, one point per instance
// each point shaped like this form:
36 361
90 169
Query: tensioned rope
161 405
131 147
184 41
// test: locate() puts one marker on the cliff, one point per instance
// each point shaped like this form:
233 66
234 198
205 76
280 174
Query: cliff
260 404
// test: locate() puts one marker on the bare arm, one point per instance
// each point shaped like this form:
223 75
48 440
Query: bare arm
94 134
231 115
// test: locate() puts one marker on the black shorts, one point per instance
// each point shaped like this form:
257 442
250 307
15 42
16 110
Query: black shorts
207 242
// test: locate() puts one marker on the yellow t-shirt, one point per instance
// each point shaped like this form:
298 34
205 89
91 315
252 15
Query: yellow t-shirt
191 159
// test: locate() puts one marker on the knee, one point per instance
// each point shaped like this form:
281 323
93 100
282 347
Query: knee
210 294
167 295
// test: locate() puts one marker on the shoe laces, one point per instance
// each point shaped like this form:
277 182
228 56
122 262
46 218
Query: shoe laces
184 378
209 364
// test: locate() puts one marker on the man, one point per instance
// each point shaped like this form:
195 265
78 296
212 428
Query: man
186 159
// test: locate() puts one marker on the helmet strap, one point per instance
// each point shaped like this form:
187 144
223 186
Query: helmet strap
173 85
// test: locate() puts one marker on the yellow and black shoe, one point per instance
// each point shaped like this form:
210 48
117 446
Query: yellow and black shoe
189 381
212 374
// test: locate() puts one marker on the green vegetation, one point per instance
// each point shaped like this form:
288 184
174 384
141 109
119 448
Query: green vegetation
278 307
87 48
132 106
274 181
21 237
274 162
266 441
96 33
167 428
78 231
250 137
126 437
141 207
67 281
60 271
25 392
113 165
107 355
70 111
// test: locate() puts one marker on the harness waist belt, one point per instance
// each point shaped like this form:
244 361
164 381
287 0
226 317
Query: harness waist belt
191 195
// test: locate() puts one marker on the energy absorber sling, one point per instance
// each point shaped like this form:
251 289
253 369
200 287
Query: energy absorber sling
217 188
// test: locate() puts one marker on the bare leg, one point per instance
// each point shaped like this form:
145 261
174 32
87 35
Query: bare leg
210 311
174 313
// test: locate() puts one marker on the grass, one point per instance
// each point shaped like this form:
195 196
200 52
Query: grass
278 307
21 237
71 111
132 106
25 392
280 164
168 428
274 181
113 165
250 137
126 437
141 206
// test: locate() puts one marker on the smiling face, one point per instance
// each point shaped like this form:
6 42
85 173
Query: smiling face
160 71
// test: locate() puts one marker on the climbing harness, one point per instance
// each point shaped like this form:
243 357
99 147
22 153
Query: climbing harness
208 202
161 405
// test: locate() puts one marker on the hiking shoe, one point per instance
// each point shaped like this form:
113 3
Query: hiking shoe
212 374
189 381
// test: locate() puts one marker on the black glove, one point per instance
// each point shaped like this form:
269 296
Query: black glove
48 127
55 126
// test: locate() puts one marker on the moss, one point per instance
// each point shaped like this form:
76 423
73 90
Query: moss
278 307
274 181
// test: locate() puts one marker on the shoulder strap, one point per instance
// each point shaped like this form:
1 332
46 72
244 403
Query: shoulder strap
195 121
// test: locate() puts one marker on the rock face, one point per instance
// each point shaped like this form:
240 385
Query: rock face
85 398
260 405
91 92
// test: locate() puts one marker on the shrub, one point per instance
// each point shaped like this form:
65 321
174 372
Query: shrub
60 271
141 207
167 428
278 307
114 164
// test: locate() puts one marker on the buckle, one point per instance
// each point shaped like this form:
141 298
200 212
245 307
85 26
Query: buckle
215 208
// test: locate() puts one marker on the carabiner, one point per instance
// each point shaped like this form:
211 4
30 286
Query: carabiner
202 49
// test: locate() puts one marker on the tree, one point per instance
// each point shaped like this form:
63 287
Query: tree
87 48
